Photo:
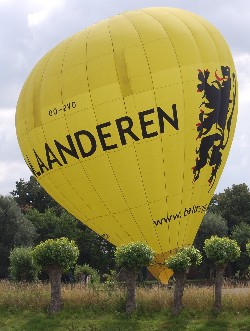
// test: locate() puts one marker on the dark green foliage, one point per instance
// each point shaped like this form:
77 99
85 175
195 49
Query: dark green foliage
31 195
61 252
134 256
241 233
233 205
211 225
22 265
15 230
94 249
49 225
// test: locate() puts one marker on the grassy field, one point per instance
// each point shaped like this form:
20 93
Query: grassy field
23 308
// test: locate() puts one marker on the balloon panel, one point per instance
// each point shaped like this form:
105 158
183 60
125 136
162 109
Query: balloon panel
128 124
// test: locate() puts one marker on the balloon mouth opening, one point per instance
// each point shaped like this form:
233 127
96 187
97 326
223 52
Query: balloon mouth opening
159 270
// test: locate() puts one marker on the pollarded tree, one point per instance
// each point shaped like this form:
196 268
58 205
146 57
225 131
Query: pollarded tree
22 265
220 251
180 263
56 256
132 257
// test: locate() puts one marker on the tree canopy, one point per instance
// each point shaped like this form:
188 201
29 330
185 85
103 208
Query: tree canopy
233 205
241 233
221 250
185 258
134 256
61 252
15 230
31 194
212 224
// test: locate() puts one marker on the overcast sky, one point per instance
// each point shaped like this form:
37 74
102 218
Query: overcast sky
29 28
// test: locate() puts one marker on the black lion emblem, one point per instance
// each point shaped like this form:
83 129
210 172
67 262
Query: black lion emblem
215 118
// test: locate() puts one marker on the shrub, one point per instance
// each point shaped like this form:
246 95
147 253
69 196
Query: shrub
86 270
22 265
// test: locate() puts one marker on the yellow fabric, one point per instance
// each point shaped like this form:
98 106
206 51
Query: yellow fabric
108 122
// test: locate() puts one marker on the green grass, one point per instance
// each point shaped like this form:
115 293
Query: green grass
23 307
79 321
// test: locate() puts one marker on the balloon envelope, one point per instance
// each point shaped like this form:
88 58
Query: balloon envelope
128 124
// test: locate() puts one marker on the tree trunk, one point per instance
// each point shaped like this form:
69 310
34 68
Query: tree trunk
180 279
219 271
55 274
131 277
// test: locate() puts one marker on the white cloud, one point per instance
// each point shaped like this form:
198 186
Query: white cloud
12 165
47 8
38 17
10 172
242 63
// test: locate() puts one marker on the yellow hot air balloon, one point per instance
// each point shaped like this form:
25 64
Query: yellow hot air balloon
128 124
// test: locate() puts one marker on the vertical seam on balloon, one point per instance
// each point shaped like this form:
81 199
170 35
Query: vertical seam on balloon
229 58
212 39
165 175
48 177
193 185
28 139
65 118
159 242
41 79
187 218
129 209
111 214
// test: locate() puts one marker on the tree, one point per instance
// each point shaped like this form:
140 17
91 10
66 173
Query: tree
131 258
212 224
94 249
233 205
56 256
220 251
15 230
180 263
22 265
32 195
49 225
241 233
